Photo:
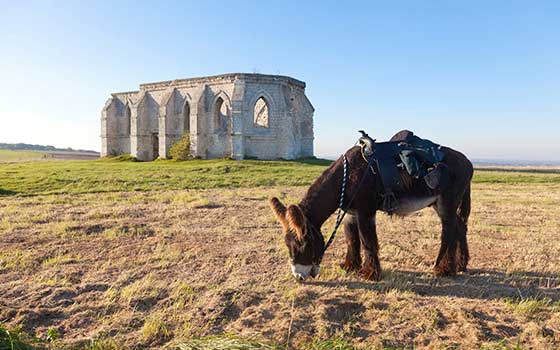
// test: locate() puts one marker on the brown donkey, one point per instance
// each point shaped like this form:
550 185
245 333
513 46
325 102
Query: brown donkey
302 222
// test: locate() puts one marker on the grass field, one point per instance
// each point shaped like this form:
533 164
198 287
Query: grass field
117 255
19 156
74 177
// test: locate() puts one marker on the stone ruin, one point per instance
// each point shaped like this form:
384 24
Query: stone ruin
231 115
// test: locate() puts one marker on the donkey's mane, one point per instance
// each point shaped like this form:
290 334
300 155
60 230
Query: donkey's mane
322 193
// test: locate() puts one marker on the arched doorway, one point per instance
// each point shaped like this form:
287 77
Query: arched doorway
125 127
126 121
186 118
221 143
155 145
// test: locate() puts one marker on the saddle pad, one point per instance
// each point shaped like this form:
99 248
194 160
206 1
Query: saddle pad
386 155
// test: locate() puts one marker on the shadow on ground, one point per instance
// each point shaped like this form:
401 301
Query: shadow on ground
314 161
475 284
4 192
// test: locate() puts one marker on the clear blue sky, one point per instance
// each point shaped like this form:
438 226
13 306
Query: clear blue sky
480 76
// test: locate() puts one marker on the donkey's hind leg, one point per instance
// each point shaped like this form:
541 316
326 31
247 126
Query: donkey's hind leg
463 213
446 262
353 260
463 248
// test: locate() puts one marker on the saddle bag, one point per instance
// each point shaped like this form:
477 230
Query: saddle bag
437 177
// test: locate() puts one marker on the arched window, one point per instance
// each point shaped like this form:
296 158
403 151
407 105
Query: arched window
260 113
126 122
186 118
220 115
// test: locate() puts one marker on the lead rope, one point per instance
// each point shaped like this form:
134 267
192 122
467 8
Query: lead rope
341 212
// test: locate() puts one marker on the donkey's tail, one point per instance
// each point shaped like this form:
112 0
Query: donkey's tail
465 208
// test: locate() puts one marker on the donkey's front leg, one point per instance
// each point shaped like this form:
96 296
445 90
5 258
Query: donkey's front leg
353 260
371 269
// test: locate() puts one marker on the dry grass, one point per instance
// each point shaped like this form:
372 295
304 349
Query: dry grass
177 268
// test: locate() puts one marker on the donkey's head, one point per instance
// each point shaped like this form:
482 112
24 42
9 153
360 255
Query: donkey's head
304 241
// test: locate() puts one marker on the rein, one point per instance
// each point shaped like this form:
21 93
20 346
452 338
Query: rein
341 211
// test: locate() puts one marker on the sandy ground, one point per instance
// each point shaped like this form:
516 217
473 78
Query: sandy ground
148 270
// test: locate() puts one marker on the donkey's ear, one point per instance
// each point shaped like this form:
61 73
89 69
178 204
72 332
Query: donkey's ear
296 220
279 211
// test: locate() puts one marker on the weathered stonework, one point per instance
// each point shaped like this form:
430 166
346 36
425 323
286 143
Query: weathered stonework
232 115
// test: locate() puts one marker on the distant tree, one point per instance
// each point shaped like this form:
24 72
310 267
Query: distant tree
29 147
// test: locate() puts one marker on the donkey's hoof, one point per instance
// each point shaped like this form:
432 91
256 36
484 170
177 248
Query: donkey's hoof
462 268
444 271
349 266
370 273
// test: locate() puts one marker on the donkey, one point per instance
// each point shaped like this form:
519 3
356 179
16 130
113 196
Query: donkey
302 222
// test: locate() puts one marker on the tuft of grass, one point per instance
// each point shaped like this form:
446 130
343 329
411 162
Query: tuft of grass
155 330
335 343
502 345
14 339
528 306
104 343
140 289
133 231
59 259
16 259
224 342
183 294
137 292
52 335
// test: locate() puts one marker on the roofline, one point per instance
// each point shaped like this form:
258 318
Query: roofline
244 76
114 94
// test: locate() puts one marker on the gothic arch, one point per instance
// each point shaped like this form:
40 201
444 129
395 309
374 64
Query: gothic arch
126 120
220 113
186 113
261 113
270 105
220 142
267 96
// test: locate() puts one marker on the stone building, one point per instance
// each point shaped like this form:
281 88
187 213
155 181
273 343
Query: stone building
231 115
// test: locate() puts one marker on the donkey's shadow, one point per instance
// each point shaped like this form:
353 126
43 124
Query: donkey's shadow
475 284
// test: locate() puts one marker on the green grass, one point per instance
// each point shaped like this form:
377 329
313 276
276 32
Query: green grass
72 177
7 155
224 342
234 342
335 343
502 345
529 306
14 339
69 177
515 176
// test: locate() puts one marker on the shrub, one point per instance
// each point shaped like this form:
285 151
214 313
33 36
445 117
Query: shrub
181 150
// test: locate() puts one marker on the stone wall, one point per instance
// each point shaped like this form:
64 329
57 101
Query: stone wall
219 115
